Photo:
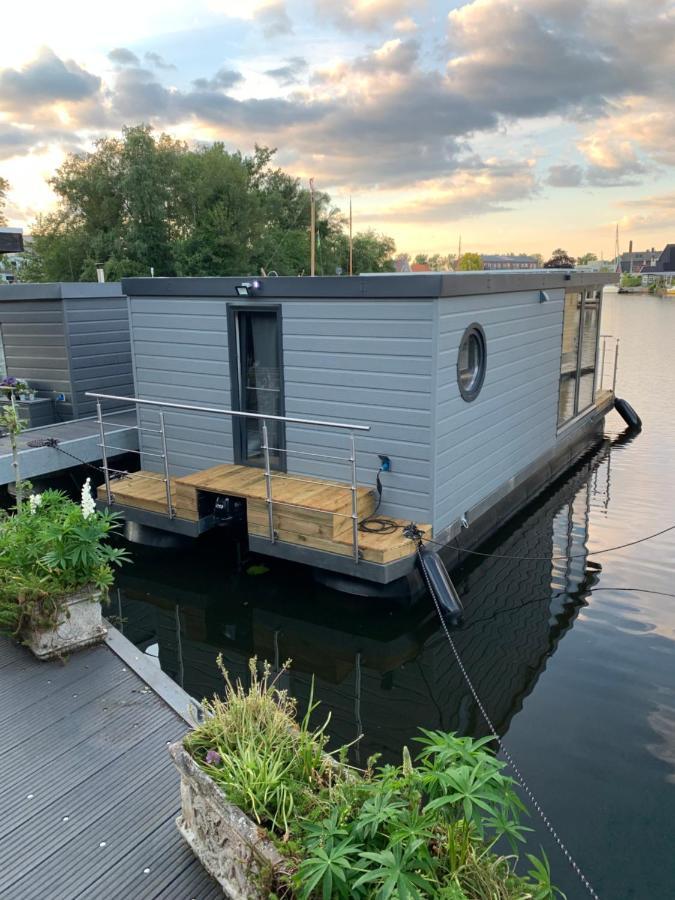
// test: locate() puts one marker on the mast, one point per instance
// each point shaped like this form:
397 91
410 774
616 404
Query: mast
312 235
617 251
351 244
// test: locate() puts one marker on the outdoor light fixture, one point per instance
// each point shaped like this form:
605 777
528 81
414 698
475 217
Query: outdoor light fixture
544 296
247 288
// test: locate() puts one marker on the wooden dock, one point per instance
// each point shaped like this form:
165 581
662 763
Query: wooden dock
88 792
78 439
308 512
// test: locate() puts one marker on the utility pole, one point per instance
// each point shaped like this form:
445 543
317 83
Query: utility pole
459 250
617 251
351 244
312 236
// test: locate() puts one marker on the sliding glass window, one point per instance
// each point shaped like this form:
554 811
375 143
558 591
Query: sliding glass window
581 319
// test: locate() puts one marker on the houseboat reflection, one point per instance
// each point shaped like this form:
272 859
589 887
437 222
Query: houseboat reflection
381 670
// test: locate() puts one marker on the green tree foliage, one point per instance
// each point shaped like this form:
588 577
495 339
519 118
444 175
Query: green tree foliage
4 187
470 262
586 259
143 201
560 259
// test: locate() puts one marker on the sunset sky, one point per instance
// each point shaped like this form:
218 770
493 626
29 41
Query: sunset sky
522 126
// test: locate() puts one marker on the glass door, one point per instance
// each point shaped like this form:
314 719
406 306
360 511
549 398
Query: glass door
259 385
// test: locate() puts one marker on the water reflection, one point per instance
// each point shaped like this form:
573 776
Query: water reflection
382 671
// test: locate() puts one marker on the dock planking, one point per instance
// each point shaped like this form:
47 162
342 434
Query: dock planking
307 512
88 792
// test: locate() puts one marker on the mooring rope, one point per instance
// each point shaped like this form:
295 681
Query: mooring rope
507 756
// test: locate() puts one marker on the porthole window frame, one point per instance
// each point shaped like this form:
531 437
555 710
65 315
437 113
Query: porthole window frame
474 329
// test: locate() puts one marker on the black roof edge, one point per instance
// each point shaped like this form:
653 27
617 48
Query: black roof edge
385 286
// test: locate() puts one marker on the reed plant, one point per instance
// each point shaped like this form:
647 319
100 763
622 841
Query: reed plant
444 825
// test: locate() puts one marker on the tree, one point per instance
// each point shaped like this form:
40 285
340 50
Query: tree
142 201
373 252
560 259
470 262
586 259
4 187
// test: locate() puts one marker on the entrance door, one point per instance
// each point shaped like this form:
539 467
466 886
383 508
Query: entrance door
257 384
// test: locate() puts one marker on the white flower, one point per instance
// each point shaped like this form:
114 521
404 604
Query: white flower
88 503
34 501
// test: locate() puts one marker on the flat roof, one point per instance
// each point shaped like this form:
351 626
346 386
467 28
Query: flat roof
66 290
376 286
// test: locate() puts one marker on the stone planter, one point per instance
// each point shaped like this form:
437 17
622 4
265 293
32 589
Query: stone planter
79 624
230 846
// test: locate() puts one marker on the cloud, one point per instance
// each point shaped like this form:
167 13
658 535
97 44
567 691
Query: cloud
16 141
480 188
156 60
565 176
612 162
290 72
46 79
656 213
123 57
224 79
405 25
273 18
540 57
368 15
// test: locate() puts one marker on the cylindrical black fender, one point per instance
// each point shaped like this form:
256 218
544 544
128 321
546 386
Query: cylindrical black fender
442 586
628 414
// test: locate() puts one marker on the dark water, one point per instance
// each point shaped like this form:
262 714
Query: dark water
576 671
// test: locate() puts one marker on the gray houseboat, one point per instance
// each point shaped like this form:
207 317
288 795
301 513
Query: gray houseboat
64 340
324 414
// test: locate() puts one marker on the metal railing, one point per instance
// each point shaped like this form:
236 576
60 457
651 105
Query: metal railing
609 354
263 418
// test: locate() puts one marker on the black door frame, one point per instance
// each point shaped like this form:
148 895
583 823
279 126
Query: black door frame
238 432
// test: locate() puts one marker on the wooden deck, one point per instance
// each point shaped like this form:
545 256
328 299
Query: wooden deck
308 512
89 795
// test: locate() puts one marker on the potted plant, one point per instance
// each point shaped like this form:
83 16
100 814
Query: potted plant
56 566
22 389
269 813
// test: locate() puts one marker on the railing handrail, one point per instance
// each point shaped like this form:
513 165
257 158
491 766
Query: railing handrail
231 412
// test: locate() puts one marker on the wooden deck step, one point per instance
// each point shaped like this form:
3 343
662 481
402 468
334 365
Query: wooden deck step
308 512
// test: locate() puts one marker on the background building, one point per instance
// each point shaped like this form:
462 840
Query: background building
509 261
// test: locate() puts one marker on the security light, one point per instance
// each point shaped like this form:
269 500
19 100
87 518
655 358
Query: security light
246 288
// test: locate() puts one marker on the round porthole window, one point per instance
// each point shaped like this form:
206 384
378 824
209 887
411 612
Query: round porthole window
471 362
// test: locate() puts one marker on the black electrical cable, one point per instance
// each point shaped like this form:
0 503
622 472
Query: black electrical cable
588 553
374 524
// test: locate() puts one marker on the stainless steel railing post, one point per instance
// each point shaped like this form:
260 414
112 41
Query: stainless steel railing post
355 501
104 452
616 364
268 482
165 460
602 365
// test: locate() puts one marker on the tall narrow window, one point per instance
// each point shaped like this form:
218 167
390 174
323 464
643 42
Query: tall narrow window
581 317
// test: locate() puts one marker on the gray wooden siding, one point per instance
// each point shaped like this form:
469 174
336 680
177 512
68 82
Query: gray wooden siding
35 348
97 331
366 363
478 446
181 354
352 361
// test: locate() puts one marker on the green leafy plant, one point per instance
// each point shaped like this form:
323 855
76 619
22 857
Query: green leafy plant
427 828
50 548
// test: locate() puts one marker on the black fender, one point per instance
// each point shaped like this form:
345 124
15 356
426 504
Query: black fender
439 582
628 414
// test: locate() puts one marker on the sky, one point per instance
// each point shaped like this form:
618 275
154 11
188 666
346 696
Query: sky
519 126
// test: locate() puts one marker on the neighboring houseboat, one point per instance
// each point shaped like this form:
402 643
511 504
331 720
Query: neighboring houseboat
281 403
64 340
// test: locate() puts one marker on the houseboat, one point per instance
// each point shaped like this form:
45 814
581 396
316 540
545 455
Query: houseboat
317 417
64 340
